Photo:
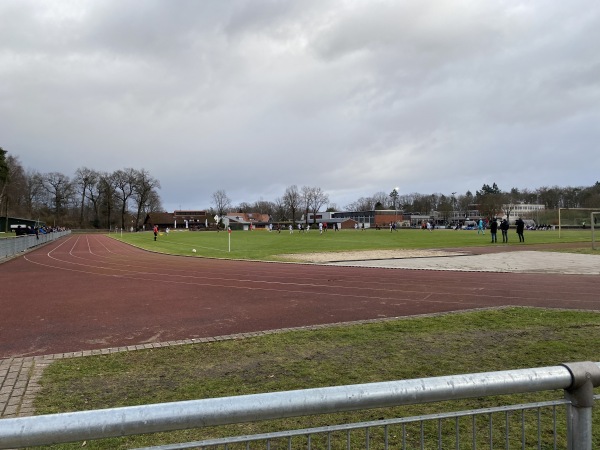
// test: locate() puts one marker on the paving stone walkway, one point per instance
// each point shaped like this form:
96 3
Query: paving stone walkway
19 379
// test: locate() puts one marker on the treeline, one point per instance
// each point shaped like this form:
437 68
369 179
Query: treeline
90 199
294 203
489 201
93 199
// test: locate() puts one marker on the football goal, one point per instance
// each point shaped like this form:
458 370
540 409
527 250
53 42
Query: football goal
574 217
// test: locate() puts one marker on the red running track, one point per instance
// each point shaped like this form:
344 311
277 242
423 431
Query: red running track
89 291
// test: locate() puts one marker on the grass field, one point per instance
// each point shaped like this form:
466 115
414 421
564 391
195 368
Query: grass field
263 245
400 349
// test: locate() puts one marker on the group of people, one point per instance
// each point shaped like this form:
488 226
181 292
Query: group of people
28 230
323 226
504 227
428 225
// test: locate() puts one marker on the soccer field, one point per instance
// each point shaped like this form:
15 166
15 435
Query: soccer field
269 246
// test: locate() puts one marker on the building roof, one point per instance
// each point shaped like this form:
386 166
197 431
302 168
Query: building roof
248 217
159 218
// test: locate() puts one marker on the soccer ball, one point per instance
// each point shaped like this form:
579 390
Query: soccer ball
193 250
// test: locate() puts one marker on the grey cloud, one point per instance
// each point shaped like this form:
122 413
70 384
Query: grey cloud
356 97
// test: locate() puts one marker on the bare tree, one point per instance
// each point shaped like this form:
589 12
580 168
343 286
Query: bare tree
84 179
34 191
550 196
306 201
15 187
93 194
60 189
221 201
281 210
445 207
243 207
124 181
143 188
263 207
106 193
4 175
313 198
362 204
153 204
381 200
292 200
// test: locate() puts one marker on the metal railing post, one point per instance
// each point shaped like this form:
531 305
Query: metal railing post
585 376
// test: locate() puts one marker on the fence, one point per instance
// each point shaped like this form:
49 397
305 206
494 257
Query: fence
13 246
576 379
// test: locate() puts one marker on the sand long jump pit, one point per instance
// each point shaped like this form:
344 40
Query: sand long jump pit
367 255
510 261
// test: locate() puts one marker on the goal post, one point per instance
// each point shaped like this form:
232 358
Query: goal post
592 222
574 209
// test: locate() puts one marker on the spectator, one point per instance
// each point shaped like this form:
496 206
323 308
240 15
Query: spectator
520 227
494 230
504 228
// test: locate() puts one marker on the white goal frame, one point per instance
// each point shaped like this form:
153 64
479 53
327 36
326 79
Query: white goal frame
593 229
575 209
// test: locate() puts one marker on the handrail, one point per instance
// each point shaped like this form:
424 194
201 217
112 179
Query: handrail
114 422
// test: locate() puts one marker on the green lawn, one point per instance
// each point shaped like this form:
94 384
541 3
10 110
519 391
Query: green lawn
400 349
263 245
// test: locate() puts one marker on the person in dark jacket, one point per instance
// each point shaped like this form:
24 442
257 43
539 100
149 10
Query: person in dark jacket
494 230
520 228
504 228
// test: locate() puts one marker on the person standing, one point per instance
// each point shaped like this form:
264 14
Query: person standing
504 228
494 230
480 227
155 231
520 228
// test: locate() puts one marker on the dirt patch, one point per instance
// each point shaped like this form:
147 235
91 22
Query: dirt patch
367 255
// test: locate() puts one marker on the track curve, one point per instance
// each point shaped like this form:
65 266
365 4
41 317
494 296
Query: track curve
90 291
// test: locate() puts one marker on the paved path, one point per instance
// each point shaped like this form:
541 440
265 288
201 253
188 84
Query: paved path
87 295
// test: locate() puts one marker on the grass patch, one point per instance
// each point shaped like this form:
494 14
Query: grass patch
262 245
401 349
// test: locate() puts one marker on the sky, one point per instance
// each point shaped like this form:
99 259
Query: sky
352 96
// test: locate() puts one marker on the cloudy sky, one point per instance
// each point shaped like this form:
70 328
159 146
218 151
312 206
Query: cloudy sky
353 96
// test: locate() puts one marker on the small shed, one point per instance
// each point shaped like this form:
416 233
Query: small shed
9 224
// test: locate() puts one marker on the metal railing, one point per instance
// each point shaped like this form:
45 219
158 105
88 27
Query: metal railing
501 427
576 379
15 245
